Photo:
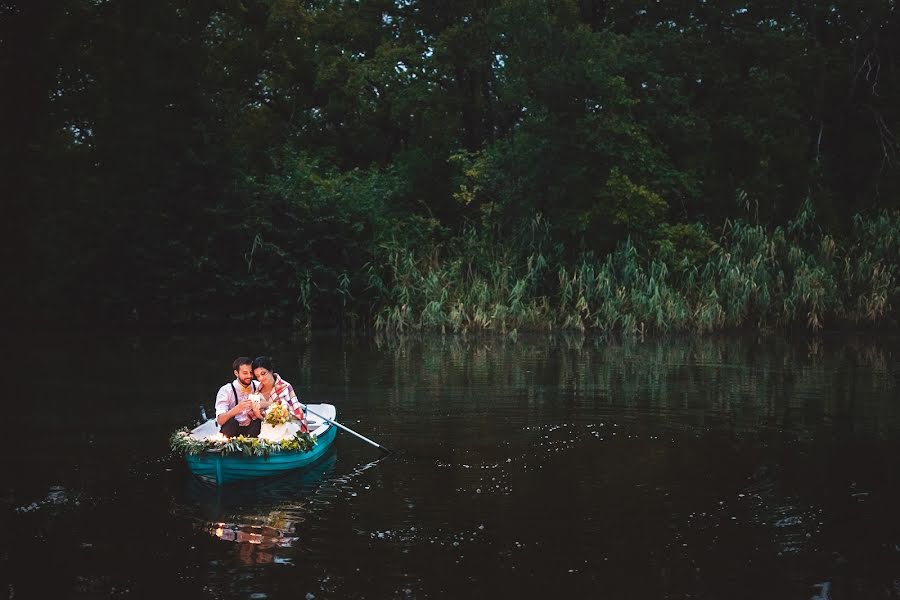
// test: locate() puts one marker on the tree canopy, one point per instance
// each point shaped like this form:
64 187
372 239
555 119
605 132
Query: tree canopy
220 159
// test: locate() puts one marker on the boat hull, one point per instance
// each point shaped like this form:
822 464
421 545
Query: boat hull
221 469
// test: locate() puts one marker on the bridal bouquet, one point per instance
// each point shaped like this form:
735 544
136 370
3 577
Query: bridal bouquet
277 415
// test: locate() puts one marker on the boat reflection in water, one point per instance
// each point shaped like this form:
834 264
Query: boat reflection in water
260 516
257 544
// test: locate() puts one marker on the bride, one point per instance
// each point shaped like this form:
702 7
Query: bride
275 390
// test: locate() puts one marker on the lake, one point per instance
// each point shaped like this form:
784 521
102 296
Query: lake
740 466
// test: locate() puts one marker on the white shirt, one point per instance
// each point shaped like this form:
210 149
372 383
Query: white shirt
225 399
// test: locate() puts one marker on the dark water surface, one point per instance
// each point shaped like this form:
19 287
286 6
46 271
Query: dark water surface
735 467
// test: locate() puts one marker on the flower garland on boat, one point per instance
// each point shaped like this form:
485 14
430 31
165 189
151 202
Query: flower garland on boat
182 443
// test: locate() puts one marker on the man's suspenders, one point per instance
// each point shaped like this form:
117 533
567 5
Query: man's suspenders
237 399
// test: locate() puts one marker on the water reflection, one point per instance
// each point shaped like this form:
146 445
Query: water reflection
265 493
257 544
266 518
745 384
261 517
740 466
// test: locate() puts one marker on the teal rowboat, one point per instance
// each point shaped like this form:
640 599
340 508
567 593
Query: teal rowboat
219 469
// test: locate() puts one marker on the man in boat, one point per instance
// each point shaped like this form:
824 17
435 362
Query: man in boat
234 409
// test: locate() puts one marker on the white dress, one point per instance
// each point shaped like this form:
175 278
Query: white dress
277 433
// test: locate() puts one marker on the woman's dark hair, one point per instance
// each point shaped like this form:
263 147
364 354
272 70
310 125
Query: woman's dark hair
241 360
263 361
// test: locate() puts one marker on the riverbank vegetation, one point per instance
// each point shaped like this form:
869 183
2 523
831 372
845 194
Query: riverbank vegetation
685 279
395 166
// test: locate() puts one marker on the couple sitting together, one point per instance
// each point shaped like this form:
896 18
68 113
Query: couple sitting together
241 405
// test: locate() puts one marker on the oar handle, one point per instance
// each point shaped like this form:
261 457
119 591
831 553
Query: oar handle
345 428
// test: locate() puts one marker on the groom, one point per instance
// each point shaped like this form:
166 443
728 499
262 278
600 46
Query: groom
234 411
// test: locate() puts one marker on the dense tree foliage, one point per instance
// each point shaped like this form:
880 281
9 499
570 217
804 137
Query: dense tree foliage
374 162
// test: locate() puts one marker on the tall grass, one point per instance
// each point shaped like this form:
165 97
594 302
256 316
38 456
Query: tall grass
457 294
751 276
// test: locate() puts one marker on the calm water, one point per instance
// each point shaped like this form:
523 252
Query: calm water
734 467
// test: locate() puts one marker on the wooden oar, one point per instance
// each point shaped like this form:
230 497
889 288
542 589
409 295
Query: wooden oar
345 428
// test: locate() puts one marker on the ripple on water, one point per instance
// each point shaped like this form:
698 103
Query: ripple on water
58 497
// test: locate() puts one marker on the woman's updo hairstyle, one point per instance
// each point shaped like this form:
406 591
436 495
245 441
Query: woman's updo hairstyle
263 361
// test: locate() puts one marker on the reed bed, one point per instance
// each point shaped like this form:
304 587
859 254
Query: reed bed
751 276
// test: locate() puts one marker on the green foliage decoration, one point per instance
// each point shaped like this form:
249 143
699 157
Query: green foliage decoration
181 443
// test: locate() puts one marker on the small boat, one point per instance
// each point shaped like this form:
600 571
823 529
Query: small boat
218 468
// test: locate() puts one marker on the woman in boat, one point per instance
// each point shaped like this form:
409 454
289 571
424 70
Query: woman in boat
275 390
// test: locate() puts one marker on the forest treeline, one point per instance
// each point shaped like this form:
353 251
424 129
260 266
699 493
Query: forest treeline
454 165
